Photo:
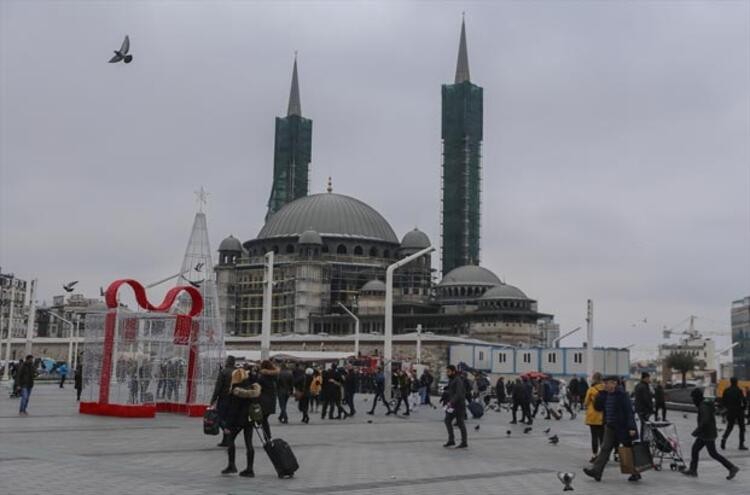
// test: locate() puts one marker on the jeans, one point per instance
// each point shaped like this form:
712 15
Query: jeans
740 421
25 393
459 419
283 399
608 444
422 395
711 447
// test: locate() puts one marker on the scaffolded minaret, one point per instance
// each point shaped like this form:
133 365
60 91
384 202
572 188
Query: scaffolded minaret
461 179
292 151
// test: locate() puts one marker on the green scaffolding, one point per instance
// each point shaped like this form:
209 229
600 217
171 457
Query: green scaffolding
291 161
461 180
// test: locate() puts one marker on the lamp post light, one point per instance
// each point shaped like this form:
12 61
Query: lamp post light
9 338
32 316
265 329
356 328
388 338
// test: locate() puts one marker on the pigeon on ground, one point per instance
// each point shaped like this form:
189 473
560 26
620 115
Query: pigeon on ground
566 479
547 430
122 55
69 286
684 416
527 430
507 432
554 440
369 421
476 428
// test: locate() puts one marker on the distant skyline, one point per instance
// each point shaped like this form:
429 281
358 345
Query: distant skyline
615 161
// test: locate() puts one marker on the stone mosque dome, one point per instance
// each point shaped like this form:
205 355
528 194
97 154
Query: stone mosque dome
232 244
470 275
330 215
504 291
310 237
373 286
415 239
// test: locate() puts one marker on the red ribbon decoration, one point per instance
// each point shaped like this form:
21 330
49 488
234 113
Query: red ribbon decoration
183 322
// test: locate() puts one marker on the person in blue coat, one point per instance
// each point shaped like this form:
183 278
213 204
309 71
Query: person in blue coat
619 425
63 370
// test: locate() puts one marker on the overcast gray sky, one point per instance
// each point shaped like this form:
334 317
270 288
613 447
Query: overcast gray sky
616 158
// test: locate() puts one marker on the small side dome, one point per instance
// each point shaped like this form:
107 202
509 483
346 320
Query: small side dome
415 239
373 286
310 237
231 244
470 275
504 291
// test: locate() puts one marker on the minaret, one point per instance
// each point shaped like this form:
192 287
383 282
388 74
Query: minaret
461 178
292 151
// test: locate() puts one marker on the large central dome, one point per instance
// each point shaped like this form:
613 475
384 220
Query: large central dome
331 215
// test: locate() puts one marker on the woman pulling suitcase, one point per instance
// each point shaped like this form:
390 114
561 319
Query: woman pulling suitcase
242 402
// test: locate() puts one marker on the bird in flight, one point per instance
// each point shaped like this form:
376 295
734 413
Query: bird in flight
199 267
122 53
196 284
69 286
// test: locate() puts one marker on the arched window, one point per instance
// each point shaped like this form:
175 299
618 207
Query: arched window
358 251
290 248
463 291
341 249
373 252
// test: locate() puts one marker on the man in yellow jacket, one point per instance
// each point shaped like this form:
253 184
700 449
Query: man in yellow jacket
594 418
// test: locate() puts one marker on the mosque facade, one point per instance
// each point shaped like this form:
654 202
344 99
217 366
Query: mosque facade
331 250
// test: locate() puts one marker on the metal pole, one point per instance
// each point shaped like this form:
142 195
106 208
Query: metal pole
419 344
265 336
388 338
75 348
589 340
556 342
356 328
32 316
10 331
70 334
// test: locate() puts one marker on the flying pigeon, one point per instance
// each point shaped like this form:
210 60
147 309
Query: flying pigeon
196 284
527 430
69 287
122 53
567 480
101 291
199 267
554 440
547 430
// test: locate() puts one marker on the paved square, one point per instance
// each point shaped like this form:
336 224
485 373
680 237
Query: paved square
55 450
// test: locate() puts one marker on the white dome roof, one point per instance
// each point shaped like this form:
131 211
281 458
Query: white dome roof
470 275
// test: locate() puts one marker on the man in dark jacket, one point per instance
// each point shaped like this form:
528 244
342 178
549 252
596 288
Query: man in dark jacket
455 407
350 388
404 389
619 425
425 382
26 383
379 385
644 400
517 395
221 394
705 436
284 386
733 401
500 391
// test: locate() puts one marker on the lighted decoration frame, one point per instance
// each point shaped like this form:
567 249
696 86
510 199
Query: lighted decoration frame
136 364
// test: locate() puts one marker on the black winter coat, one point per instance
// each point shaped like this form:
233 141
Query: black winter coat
267 393
733 400
456 394
706 429
26 376
644 401
623 420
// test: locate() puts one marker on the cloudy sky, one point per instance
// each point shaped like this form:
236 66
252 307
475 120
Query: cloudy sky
616 159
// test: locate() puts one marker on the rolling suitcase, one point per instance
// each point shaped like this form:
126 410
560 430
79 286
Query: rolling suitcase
476 409
280 454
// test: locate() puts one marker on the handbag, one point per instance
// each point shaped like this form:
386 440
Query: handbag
255 413
635 459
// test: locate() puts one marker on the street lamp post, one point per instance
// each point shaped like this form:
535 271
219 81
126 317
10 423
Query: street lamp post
356 328
265 330
556 342
32 316
589 340
388 338
419 343
70 335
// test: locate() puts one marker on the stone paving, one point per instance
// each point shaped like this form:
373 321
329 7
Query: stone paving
55 450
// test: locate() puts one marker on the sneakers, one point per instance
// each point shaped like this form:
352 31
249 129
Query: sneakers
635 477
733 472
248 473
229 470
742 447
692 474
462 445
592 474
449 444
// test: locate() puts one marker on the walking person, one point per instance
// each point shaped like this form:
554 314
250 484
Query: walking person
26 375
404 389
660 403
379 384
583 388
63 370
518 397
426 381
500 391
619 425
528 394
285 385
594 418
245 391
733 401
573 390
267 377
705 436
565 398
303 394
316 388
220 397
351 380
78 380
644 401
455 407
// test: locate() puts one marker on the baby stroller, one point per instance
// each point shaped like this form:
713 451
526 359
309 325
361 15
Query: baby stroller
665 444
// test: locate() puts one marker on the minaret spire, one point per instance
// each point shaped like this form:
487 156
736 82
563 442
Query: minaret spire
295 107
462 67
